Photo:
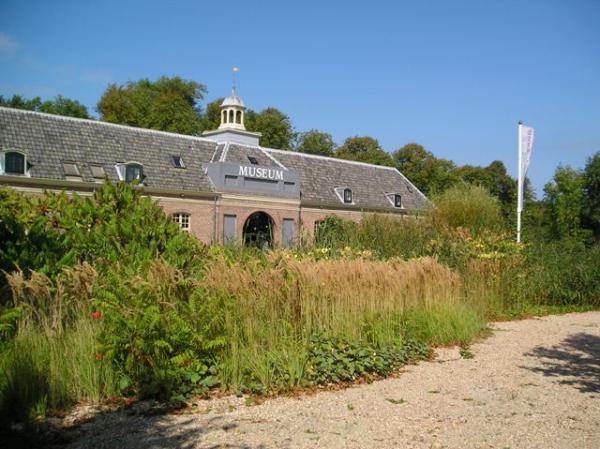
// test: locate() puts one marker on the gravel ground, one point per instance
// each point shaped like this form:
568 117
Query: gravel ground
532 384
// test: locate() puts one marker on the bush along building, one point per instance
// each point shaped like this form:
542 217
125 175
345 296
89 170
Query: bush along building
223 187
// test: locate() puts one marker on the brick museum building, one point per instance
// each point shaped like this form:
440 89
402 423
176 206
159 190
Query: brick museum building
221 187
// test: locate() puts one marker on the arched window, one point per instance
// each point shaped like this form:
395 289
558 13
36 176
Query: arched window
347 195
231 116
14 163
238 117
134 172
182 219
224 117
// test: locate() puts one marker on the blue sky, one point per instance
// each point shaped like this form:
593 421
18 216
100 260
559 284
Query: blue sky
454 76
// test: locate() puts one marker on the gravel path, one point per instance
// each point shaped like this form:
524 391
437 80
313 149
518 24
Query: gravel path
533 384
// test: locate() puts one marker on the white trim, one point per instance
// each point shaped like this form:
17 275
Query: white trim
224 152
391 196
3 151
408 181
272 158
177 217
212 159
339 191
120 168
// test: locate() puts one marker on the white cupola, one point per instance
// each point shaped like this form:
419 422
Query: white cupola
232 112
232 127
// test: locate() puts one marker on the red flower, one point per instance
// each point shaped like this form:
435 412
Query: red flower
99 356
96 315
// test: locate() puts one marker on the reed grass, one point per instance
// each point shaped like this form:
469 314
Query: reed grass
276 308
51 361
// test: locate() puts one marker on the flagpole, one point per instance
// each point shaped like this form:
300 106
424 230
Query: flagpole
519 184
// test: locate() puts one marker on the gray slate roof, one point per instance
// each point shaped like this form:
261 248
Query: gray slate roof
51 140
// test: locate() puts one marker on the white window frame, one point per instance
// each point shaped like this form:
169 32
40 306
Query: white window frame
121 169
178 217
3 163
339 191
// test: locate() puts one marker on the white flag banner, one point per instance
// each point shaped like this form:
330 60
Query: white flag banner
526 147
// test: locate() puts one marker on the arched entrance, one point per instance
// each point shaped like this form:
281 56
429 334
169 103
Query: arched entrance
258 230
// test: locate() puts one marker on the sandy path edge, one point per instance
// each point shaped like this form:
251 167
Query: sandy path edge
533 383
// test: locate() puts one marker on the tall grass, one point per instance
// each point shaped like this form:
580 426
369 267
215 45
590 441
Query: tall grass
275 309
157 314
51 360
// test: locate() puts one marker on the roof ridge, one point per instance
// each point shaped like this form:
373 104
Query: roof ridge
108 124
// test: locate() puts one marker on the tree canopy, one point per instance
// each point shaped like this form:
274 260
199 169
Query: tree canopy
167 104
275 126
59 105
364 149
591 189
564 199
429 173
211 119
315 142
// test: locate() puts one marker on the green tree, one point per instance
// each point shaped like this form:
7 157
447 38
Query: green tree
211 119
364 149
429 173
591 186
497 181
59 105
167 104
564 197
275 126
315 142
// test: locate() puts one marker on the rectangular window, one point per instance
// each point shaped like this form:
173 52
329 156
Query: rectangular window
287 238
347 196
183 220
97 172
133 172
70 169
398 200
229 233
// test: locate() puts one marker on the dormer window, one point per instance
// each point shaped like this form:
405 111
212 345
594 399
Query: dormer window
344 194
134 172
177 162
397 200
130 171
14 163
348 196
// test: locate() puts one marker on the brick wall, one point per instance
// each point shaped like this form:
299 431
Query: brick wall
201 214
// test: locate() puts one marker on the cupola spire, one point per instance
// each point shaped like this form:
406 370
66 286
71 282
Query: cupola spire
232 127
232 108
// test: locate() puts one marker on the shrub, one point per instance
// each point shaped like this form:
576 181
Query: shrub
466 206
49 232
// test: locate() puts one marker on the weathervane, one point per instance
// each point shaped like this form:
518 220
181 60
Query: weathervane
235 70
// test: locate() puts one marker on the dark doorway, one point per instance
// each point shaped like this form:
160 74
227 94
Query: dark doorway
258 231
